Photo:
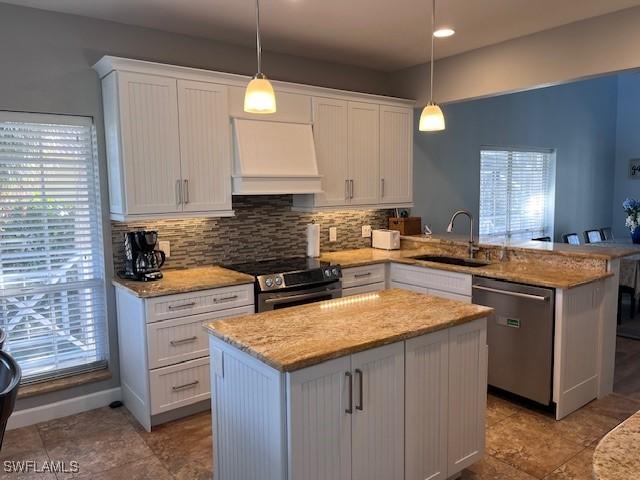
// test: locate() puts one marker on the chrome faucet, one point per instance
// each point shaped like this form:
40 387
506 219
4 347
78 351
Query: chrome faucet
473 246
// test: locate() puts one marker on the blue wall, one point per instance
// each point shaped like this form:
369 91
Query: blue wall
578 120
627 147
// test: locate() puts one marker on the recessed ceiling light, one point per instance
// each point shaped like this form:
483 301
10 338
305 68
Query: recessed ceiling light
444 32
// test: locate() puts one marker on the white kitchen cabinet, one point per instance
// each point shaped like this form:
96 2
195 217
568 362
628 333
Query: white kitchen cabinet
427 400
168 146
468 362
364 153
320 424
204 146
364 279
440 283
141 123
164 351
377 443
396 155
345 418
330 122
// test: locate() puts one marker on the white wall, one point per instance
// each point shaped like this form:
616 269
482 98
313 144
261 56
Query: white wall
592 47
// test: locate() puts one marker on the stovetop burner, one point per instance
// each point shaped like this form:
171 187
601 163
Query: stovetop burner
277 265
291 272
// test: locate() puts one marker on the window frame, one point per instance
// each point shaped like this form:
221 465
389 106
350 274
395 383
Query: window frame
549 212
98 282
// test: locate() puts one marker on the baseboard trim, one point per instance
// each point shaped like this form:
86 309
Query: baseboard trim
51 411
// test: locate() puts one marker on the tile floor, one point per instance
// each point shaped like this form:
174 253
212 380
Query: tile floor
521 444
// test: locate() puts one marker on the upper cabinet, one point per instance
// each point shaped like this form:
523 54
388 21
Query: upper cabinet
365 155
171 150
168 144
396 155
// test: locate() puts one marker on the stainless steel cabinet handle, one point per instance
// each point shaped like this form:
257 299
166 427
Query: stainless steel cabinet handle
182 305
349 409
346 188
351 182
186 191
512 294
186 385
183 340
360 275
225 299
382 187
178 192
360 390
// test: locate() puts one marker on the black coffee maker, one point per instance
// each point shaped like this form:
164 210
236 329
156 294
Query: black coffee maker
142 260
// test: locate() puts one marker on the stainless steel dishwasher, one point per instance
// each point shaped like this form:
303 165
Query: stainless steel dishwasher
520 337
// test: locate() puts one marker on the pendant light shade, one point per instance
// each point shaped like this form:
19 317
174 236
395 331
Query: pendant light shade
259 96
431 119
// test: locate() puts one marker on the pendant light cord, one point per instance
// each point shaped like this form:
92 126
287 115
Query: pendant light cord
433 26
258 44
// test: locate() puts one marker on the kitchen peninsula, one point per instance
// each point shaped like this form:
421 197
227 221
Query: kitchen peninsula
323 390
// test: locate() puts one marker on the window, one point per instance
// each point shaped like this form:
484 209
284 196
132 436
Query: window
516 193
52 303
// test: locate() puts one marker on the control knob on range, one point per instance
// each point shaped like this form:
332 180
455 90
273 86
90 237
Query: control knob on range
327 272
278 281
335 272
269 282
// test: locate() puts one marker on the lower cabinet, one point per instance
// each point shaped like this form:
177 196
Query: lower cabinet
439 283
364 279
411 410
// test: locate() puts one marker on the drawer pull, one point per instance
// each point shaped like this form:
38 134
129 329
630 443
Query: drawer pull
175 343
360 275
226 299
193 384
182 305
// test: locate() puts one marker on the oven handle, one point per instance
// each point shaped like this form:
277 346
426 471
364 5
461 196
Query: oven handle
304 296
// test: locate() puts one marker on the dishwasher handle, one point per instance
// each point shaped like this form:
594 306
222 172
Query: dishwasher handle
528 296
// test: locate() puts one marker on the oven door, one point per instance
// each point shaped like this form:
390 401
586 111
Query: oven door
290 298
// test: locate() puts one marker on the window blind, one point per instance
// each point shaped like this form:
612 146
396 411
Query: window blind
516 193
52 294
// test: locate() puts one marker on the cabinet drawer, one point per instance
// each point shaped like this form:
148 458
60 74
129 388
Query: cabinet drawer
173 306
179 385
442 280
357 276
180 339
374 287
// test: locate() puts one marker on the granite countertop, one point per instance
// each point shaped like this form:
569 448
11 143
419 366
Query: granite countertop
542 275
184 280
301 336
617 456
605 251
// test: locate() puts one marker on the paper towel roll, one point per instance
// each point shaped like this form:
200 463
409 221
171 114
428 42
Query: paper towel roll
313 240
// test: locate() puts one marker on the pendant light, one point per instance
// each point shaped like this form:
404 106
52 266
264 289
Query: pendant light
259 96
431 119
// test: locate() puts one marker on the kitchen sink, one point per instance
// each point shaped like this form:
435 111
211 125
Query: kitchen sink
463 262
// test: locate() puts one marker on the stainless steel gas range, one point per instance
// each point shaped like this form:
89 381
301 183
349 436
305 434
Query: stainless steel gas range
293 281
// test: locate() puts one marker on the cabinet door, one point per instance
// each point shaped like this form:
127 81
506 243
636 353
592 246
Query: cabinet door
151 153
364 153
319 426
330 137
396 155
467 394
204 146
426 400
378 414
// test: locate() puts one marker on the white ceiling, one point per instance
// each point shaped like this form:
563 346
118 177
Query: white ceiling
381 34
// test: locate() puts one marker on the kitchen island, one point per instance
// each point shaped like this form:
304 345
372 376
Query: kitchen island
390 385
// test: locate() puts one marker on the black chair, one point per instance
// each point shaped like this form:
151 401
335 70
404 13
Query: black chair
606 233
10 376
571 238
541 239
593 236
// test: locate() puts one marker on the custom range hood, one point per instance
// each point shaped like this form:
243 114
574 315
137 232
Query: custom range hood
273 158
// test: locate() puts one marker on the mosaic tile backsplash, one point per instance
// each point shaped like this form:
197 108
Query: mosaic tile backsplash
264 227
